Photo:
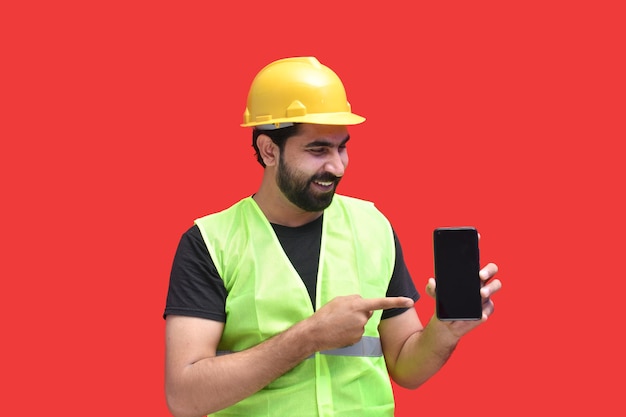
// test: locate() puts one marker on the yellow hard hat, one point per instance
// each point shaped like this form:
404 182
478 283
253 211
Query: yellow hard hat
297 90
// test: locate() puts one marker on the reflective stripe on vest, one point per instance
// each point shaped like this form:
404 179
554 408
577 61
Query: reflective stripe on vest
368 346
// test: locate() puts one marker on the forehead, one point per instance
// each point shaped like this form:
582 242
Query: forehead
321 133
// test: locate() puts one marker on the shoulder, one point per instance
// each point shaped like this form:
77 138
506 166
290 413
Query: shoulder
348 202
344 199
245 202
357 208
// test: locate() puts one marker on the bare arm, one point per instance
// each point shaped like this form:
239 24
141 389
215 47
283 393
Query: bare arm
197 382
415 353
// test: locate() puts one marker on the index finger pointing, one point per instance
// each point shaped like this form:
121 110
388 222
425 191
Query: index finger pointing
384 303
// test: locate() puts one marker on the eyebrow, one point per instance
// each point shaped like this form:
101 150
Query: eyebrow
326 143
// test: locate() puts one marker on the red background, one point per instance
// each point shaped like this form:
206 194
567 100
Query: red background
120 125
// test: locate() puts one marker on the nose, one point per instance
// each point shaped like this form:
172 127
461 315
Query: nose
337 163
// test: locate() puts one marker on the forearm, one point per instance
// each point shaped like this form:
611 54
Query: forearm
213 383
198 383
423 354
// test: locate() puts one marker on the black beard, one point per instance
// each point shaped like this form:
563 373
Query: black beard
298 190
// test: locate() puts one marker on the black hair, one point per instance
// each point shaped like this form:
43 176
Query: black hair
278 136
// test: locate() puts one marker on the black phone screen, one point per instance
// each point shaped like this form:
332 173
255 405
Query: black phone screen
456 273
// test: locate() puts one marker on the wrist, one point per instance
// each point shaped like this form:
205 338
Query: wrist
304 335
443 333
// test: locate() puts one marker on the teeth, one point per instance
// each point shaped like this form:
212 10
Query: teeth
325 184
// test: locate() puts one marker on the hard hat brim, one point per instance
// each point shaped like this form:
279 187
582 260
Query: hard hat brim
337 119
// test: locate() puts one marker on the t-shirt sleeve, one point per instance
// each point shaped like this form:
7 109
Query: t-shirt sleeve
401 284
195 287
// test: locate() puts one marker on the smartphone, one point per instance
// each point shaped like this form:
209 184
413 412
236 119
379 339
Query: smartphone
457 263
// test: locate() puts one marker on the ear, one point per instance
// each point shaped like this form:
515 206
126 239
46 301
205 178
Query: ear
268 150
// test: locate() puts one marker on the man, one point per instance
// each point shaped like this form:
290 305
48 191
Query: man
296 301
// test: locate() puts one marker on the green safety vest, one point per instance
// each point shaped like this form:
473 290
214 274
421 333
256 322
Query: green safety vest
266 296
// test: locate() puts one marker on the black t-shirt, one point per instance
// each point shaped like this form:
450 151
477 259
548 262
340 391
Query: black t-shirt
197 290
